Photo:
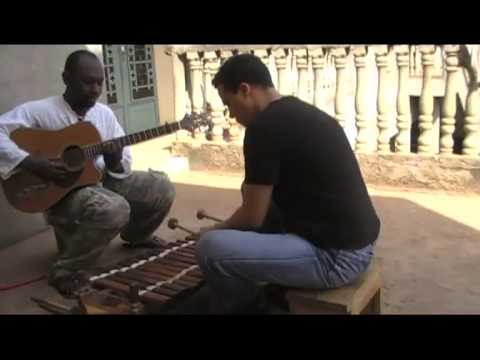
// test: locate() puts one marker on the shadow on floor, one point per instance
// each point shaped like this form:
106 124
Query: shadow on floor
430 262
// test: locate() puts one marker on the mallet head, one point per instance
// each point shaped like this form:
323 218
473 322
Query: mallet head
201 214
173 223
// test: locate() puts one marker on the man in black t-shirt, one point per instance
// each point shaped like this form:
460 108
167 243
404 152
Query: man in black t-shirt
306 219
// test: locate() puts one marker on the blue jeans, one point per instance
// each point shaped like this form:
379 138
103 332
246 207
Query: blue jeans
237 263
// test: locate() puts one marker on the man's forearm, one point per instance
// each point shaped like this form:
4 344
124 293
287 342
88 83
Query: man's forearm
240 220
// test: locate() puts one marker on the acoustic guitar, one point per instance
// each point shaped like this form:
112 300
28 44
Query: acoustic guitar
77 146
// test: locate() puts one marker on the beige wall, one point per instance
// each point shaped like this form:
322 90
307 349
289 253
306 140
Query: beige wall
170 80
28 72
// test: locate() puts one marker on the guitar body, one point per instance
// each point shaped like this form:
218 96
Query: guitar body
29 193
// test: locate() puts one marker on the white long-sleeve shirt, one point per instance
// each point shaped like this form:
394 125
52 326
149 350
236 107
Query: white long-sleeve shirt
54 113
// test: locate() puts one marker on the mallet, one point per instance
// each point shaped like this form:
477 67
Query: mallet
202 214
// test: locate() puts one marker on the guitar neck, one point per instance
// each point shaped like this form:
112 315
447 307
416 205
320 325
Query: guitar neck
94 150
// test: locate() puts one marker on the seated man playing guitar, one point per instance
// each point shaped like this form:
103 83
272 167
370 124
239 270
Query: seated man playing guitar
87 218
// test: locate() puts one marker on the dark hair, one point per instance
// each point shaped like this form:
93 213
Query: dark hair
246 68
74 58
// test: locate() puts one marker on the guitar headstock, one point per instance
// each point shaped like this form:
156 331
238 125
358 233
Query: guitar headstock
194 121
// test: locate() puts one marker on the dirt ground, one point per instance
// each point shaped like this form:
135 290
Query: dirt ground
428 247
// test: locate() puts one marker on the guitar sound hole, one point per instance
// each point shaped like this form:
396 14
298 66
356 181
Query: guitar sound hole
74 158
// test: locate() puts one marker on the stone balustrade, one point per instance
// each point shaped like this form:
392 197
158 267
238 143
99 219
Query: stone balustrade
388 99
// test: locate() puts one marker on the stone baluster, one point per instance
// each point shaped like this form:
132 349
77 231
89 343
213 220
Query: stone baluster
417 61
330 82
301 57
384 106
196 68
208 57
411 55
281 65
262 54
212 64
225 54
361 108
425 139
471 126
404 116
234 129
318 64
243 50
447 124
341 87
188 103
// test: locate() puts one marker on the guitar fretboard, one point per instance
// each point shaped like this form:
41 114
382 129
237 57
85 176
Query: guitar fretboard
93 150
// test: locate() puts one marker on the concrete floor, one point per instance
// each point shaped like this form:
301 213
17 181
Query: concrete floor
429 247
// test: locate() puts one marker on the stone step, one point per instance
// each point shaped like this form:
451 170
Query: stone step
445 173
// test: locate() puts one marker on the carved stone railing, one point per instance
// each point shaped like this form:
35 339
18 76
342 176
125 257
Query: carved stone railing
388 99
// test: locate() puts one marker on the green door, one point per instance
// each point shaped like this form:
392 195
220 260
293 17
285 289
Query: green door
130 85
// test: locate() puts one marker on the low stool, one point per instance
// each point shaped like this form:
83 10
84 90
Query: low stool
363 296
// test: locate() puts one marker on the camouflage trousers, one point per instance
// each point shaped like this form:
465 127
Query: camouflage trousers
87 219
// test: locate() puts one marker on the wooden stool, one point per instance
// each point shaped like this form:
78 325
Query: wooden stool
360 297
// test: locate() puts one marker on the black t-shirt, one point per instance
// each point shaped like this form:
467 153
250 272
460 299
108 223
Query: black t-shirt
317 184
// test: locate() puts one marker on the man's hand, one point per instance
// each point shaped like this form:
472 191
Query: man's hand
200 232
205 229
112 154
49 170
